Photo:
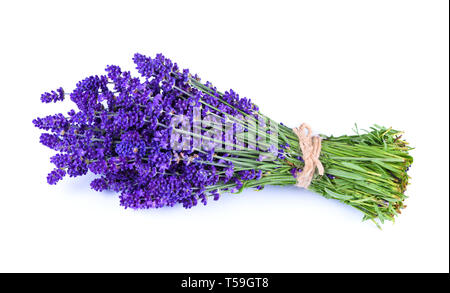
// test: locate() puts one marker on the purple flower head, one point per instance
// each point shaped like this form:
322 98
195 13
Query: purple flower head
295 171
55 123
51 140
55 175
99 184
238 186
53 96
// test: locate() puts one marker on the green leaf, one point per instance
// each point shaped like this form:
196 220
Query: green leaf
380 214
337 195
345 174
386 166
353 166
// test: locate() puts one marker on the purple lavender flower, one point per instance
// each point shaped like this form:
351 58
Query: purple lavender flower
295 171
53 96
55 175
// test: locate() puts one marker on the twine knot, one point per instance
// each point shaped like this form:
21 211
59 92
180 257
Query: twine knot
310 146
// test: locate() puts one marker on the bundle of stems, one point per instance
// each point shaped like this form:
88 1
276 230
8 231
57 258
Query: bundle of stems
367 171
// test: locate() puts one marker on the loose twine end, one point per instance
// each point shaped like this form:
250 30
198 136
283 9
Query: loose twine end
310 146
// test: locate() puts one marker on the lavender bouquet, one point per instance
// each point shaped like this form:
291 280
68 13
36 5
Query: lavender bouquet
167 138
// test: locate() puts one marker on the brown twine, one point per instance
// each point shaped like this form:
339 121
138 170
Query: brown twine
310 146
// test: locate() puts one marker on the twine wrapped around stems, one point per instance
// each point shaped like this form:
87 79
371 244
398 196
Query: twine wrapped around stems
310 146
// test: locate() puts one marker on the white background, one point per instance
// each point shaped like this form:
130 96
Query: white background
328 63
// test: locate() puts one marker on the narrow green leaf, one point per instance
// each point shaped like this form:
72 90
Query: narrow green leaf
345 174
337 195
